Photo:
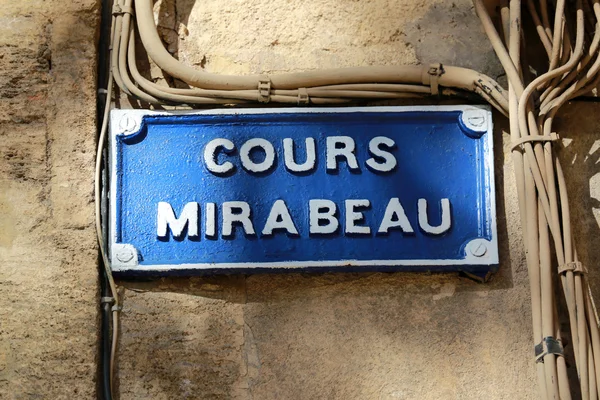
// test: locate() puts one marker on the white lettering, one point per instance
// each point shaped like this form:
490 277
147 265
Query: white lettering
424 220
210 220
346 150
166 219
210 156
279 218
395 216
353 216
316 215
243 217
290 162
376 151
250 165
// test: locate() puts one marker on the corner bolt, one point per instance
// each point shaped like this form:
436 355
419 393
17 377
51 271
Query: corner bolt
125 255
128 125
477 248
475 120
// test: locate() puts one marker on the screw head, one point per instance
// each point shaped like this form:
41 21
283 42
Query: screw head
477 248
125 255
476 120
127 124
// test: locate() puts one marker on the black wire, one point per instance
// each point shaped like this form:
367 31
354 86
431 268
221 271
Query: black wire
105 345
103 69
103 56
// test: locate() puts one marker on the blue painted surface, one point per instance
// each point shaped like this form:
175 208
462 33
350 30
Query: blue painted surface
437 158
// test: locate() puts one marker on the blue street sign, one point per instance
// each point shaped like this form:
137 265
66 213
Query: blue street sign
387 188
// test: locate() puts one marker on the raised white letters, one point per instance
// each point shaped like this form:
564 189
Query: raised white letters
322 219
341 146
210 220
166 219
376 151
352 217
395 217
424 220
337 149
290 162
210 156
242 216
322 210
250 165
279 218
323 216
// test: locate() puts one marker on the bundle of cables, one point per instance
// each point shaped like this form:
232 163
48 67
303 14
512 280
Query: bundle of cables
570 35
324 87
571 39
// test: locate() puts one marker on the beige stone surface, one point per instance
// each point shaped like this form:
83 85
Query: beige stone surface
48 269
265 36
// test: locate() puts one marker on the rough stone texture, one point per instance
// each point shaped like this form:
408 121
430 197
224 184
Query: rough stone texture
262 36
291 36
580 133
48 269
294 336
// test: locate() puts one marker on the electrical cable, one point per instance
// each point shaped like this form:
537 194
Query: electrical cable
545 209
105 307
101 242
106 343
319 87
110 304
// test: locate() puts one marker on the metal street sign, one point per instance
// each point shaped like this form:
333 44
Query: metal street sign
387 188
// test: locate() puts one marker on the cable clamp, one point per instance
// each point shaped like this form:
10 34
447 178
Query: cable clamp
102 91
264 89
527 139
548 346
116 308
120 10
430 77
107 300
575 266
303 99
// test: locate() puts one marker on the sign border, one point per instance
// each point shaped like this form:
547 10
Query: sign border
130 121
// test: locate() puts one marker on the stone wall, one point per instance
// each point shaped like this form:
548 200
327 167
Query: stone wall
288 336
48 257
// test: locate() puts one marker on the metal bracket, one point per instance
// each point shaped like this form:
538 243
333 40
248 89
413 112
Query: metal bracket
303 99
120 10
575 267
264 90
430 77
528 139
548 346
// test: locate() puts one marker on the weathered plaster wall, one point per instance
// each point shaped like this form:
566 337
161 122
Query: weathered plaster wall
293 336
48 270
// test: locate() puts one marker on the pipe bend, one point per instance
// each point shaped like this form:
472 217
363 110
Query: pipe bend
454 77
157 52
